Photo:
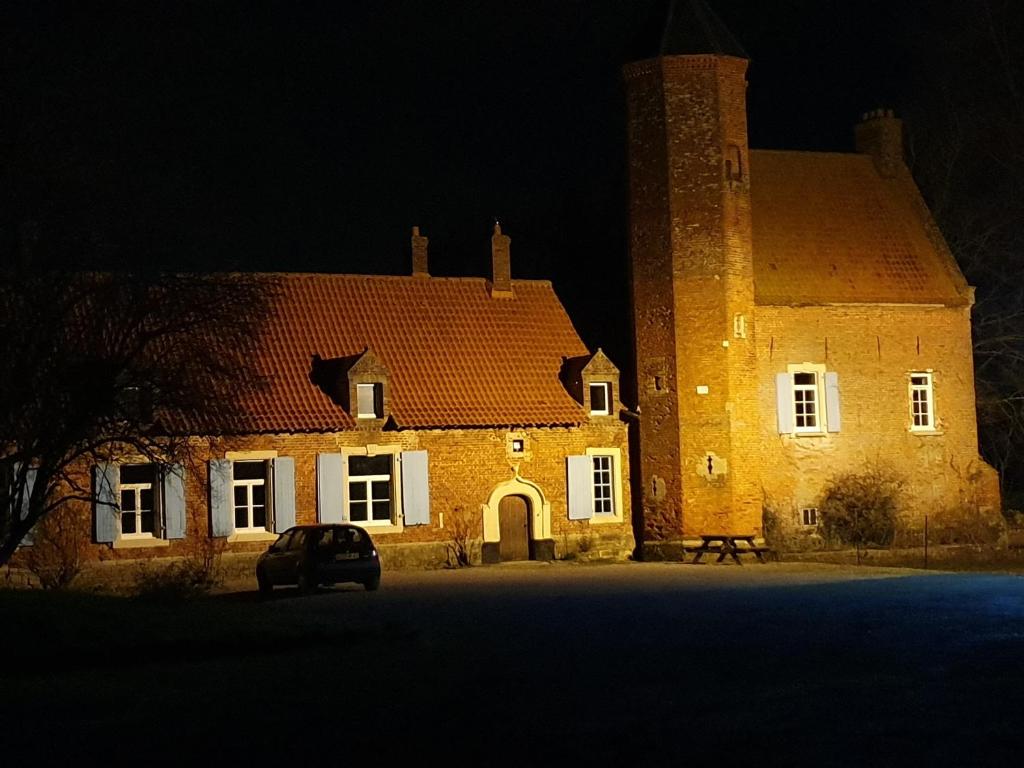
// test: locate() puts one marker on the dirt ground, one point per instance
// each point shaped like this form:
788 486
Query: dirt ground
527 664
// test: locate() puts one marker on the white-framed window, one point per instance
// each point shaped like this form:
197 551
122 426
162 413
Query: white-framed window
604 484
370 401
922 402
600 398
249 494
809 516
371 497
139 501
594 486
806 402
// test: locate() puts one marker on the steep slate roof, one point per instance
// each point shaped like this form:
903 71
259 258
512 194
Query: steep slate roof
456 356
692 28
683 27
829 229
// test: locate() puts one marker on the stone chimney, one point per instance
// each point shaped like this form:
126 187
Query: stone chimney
880 134
419 254
501 284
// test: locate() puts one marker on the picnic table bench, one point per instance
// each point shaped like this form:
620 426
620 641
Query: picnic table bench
727 545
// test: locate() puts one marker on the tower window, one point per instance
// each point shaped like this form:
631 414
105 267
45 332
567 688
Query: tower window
733 163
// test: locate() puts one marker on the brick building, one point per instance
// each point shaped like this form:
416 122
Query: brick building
797 314
415 406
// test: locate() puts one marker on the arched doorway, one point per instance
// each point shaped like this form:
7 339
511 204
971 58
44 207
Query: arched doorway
514 528
526 494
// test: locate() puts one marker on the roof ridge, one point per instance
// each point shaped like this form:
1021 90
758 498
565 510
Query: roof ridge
411 278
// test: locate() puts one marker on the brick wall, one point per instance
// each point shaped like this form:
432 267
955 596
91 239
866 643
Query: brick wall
692 277
465 465
873 349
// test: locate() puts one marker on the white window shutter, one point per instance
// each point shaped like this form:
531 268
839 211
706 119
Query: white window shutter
415 488
106 493
832 401
580 486
173 498
222 504
330 487
284 493
784 402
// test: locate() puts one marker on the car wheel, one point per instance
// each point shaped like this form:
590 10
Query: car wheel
372 583
305 583
264 584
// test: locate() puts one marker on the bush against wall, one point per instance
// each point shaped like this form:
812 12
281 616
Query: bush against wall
965 524
860 508
59 547
464 531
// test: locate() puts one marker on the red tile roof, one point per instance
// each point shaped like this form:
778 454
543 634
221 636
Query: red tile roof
456 356
829 229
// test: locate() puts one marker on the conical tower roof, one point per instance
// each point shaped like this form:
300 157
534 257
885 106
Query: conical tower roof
682 27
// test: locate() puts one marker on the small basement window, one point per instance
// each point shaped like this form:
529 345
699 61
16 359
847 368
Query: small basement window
600 398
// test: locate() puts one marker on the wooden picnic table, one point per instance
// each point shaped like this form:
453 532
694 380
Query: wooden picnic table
727 545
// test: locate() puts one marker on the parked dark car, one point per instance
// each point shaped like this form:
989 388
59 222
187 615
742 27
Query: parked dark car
310 555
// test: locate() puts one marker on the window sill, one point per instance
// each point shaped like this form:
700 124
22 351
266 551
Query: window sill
927 432
140 543
606 519
373 530
243 536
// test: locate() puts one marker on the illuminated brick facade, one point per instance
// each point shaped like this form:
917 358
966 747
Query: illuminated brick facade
785 306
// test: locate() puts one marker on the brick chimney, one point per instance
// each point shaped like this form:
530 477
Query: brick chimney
419 254
501 284
880 134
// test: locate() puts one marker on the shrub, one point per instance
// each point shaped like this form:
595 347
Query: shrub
194 575
861 508
60 548
966 525
462 529
772 525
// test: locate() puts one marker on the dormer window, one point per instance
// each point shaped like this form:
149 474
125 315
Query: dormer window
370 400
600 398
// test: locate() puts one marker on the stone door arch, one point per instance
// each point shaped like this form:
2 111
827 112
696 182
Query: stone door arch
542 546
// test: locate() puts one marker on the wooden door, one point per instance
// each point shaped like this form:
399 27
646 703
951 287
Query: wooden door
514 521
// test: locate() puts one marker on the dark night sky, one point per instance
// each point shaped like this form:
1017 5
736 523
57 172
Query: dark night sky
312 135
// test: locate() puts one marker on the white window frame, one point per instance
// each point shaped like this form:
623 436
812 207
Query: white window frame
394 524
616 515
137 489
375 389
249 484
915 393
602 475
607 387
811 512
820 426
